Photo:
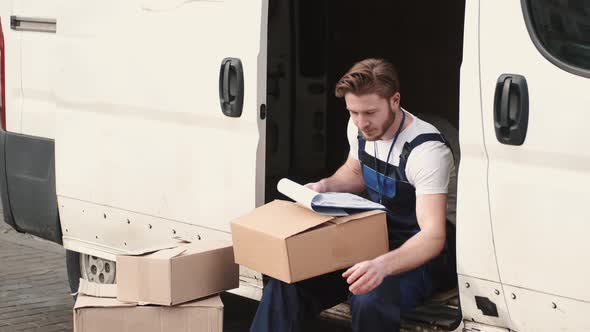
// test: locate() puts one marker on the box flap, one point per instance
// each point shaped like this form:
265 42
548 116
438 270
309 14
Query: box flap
142 251
191 248
281 219
168 253
360 215
208 302
97 290
85 301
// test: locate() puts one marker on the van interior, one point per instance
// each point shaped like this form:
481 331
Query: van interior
312 43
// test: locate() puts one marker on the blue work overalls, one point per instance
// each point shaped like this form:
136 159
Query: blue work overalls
287 307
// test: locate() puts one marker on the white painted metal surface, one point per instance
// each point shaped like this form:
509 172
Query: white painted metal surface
475 246
250 284
12 45
106 231
37 70
139 129
469 288
538 191
536 311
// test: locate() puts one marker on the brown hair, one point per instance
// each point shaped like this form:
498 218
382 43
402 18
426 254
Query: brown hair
369 76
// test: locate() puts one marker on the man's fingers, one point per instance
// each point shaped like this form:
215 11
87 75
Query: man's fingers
360 285
349 271
356 274
366 286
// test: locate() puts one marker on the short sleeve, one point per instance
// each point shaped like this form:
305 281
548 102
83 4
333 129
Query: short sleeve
352 134
429 168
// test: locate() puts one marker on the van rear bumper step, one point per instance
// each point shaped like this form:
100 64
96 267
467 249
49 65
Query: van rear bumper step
27 185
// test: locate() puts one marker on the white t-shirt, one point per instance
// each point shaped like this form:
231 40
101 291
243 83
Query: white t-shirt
430 167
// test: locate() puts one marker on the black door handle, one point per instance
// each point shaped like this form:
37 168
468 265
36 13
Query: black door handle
511 109
33 24
231 87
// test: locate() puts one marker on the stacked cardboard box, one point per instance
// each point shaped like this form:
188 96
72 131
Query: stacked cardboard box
172 289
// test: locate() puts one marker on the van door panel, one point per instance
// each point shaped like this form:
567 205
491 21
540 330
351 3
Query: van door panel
475 245
139 125
538 190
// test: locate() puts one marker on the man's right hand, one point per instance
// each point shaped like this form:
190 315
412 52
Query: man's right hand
319 186
347 179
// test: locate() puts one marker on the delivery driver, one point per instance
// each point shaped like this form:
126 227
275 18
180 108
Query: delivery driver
401 162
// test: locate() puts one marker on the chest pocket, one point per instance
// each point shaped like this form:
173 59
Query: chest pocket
379 183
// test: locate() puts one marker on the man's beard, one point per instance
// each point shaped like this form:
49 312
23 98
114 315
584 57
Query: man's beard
388 123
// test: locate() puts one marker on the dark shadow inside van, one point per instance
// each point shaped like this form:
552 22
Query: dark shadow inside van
311 44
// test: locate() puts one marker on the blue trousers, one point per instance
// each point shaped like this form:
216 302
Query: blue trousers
287 307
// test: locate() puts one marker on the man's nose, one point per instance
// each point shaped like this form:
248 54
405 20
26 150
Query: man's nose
363 121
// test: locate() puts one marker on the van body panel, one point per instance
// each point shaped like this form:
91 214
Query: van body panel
475 246
37 70
12 58
538 190
116 231
138 112
491 292
27 161
535 311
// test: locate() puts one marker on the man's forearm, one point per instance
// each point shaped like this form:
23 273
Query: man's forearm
427 243
415 252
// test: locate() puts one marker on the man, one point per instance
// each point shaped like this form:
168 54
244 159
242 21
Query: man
405 164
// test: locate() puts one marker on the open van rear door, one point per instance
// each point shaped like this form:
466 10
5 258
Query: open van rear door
160 113
535 70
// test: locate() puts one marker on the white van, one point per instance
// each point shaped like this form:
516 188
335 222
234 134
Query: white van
126 123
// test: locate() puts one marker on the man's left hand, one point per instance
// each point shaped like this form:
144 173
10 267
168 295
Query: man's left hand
365 276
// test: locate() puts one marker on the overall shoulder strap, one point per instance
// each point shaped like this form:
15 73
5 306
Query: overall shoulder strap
417 141
361 145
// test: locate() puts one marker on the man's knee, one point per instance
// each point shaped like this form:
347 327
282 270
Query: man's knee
276 290
370 312
279 308
371 303
273 284
360 304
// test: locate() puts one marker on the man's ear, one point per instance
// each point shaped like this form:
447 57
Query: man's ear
394 100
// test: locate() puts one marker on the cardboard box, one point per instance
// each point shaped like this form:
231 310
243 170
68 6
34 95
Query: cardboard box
291 243
172 276
99 314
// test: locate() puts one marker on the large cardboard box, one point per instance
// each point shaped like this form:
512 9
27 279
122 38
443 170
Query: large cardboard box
176 275
291 243
105 313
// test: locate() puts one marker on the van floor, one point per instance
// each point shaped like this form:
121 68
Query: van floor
441 312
